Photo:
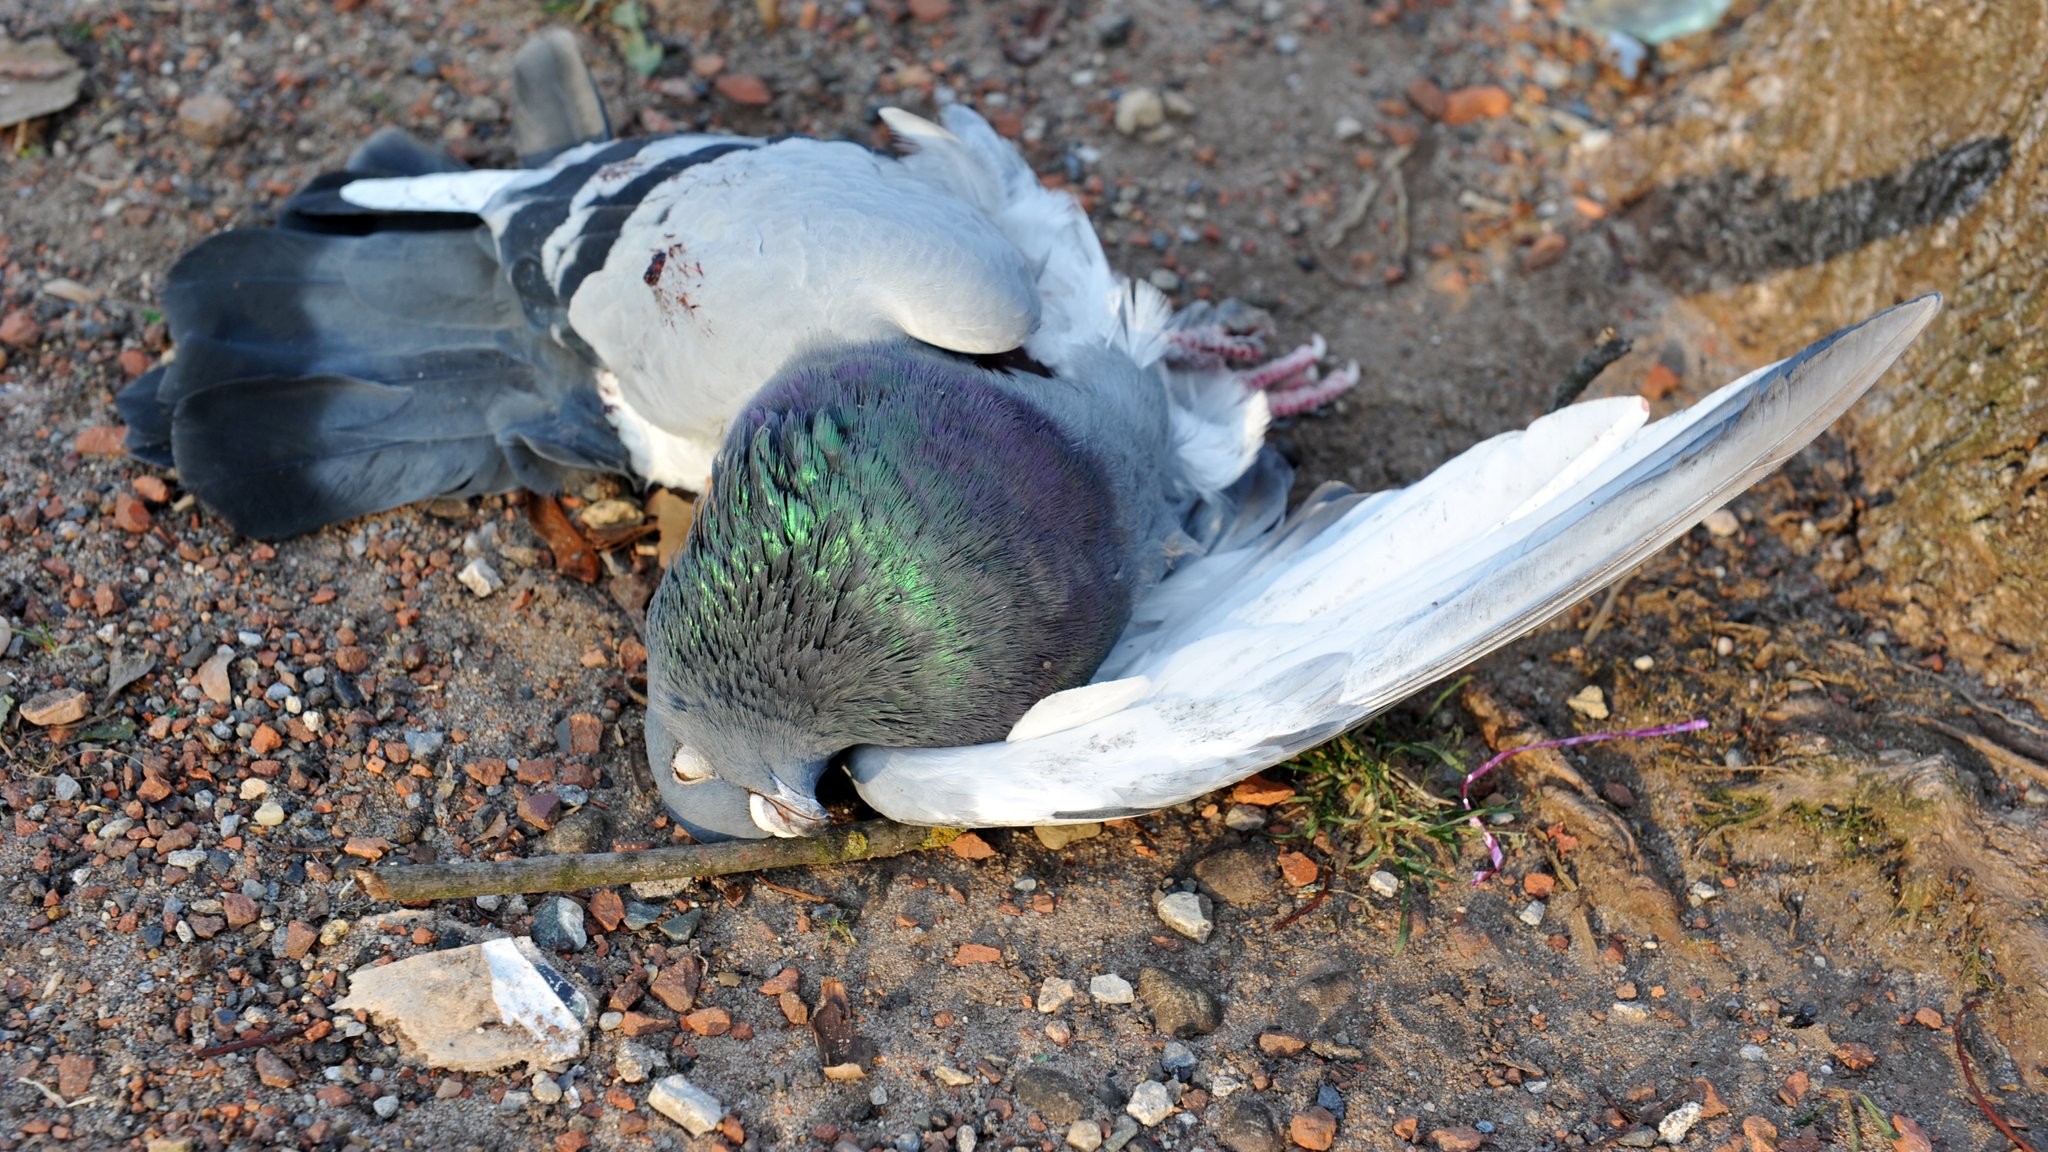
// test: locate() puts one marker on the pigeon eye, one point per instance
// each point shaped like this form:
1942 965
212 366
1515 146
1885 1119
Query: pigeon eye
689 767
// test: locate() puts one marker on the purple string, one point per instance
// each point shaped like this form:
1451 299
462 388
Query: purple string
1465 793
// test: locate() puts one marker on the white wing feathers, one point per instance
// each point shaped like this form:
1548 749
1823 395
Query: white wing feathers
439 192
1218 424
1241 659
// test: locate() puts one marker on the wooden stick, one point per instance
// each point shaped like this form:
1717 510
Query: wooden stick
412 884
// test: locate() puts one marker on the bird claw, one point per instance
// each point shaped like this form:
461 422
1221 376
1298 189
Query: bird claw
1292 383
1213 346
1312 391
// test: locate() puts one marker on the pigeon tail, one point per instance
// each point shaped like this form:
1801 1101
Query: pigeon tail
322 377
359 357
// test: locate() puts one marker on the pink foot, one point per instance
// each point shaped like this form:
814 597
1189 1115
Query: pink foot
1311 393
1293 384
1213 346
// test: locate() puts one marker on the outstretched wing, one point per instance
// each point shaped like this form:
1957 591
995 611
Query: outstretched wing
1243 658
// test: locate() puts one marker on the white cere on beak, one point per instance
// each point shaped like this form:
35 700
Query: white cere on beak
689 767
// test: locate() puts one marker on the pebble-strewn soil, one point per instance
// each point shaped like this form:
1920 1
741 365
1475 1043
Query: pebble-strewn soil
1817 884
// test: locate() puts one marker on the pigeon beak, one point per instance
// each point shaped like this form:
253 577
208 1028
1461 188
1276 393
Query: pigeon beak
788 812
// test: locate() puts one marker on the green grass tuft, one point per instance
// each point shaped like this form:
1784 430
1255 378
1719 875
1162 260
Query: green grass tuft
1368 791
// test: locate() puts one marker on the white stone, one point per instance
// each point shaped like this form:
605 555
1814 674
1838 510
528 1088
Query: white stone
1701 892
190 859
270 814
1110 988
951 1077
692 1107
1244 818
636 1062
1383 882
1139 109
480 578
1349 128
1722 523
1589 702
1751 1052
255 788
1679 1121
1186 913
1150 1103
546 1089
1085 1135
474 1009
1056 993
1629 1013
1532 915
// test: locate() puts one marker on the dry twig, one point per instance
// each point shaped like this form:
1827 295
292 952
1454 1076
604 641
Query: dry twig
411 884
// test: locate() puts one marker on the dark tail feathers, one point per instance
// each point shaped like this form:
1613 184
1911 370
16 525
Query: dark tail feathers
349 362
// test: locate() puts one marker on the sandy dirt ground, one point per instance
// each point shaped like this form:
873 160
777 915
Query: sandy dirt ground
1778 920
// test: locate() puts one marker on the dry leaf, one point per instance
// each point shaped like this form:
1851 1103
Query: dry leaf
574 557
36 79
832 1024
122 669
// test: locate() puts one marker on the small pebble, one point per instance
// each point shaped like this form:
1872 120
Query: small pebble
681 926
558 925
1055 993
1150 1103
639 915
1589 702
1383 882
1085 1135
546 1090
270 814
692 1107
385 1106
1186 913
1532 914
1244 818
1139 109
480 578
1722 523
1679 1121
1058 836
1110 988
1628 1013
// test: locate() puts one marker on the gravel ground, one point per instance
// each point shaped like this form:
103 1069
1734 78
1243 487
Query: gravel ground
177 854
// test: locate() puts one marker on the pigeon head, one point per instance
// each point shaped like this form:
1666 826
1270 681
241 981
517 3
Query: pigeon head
897 549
